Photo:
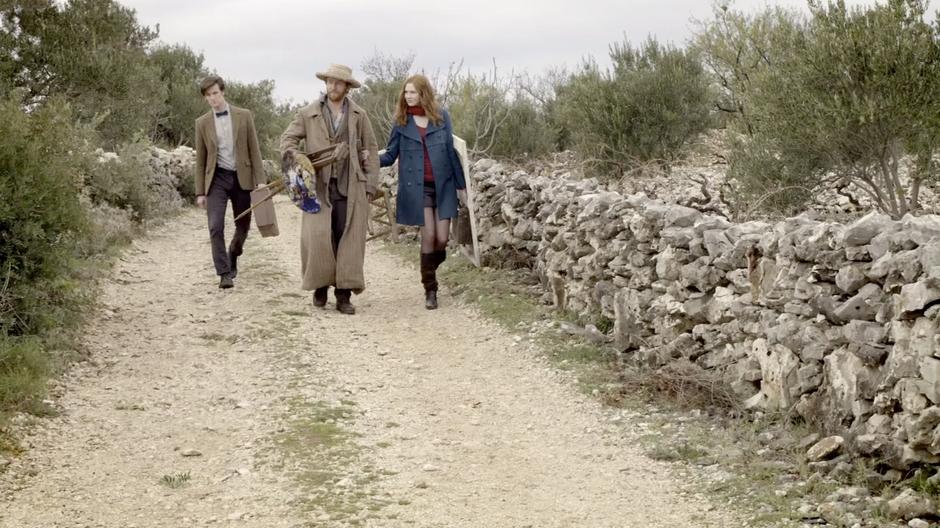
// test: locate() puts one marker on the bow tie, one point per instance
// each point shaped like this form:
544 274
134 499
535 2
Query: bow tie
222 113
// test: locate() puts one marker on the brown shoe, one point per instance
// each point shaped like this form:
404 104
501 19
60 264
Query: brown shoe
226 282
342 302
319 296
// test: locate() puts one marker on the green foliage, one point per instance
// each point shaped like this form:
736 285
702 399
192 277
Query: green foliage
840 100
176 480
92 52
646 109
736 48
526 131
129 181
23 368
379 98
385 76
181 71
478 105
41 217
271 119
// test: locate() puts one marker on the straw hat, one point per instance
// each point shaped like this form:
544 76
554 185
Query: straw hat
339 72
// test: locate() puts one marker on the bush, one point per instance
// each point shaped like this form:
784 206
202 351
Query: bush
384 77
181 71
737 49
48 50
478 106
24 366
41 217
646 109
850 95
271 119
129 181
525 133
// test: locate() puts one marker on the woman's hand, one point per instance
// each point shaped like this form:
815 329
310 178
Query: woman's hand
462 197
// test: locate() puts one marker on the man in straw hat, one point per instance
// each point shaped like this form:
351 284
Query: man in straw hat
333 241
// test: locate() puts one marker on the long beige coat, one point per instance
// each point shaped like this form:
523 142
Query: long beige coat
248 162
318 265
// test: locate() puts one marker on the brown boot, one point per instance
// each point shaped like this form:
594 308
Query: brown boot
429 279
342 302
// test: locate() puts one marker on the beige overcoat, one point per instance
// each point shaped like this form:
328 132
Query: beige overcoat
319 267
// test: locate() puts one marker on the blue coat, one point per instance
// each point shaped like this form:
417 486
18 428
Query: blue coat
404 144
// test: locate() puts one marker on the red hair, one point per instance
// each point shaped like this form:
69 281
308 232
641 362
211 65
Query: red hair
426 100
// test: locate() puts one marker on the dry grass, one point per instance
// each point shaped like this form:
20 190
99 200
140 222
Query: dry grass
683 382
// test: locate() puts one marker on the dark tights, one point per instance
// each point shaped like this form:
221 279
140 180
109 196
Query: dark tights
434 232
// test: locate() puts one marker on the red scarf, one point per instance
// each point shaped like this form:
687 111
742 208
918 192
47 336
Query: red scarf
415 110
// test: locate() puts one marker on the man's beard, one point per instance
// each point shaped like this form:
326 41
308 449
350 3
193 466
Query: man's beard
336 96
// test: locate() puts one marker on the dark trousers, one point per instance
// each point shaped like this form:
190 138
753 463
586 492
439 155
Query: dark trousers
337 226
224 188
338 219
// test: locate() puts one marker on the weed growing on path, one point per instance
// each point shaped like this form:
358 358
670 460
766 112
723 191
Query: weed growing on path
175 481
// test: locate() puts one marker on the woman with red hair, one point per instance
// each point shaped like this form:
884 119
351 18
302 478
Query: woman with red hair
430 178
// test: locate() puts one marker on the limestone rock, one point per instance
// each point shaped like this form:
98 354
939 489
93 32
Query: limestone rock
826 448
909 504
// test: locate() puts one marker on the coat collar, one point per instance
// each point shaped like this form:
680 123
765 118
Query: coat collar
411 129
314 110
236 114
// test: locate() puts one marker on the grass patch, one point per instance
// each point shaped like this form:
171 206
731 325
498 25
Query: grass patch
683 384
320 453
25 365
220 338
682 452
175 481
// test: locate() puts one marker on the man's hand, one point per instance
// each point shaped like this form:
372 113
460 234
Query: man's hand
363 157
201 201
304 163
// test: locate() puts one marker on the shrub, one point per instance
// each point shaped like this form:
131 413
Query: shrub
24 365
646 109
129 181
381 87
41 218
181 71
736 49
851 94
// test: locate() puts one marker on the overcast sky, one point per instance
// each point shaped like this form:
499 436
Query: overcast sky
289 40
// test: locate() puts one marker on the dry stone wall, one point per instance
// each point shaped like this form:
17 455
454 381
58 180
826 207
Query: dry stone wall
838 323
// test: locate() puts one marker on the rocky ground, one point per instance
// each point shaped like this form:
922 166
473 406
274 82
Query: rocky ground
250 408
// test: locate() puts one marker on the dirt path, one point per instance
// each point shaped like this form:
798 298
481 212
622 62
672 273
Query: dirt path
250 408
